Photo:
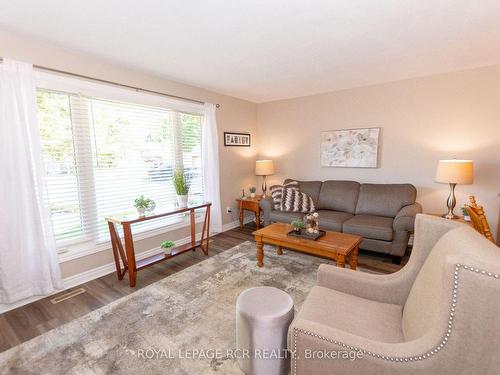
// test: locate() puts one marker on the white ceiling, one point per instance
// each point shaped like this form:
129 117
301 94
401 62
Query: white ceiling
264 50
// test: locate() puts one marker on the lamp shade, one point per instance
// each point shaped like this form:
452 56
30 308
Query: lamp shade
454 172
264 167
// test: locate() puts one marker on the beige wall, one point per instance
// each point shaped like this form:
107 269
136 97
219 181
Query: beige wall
236 163
423 120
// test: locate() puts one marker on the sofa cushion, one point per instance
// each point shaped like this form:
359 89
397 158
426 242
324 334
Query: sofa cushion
369 226
332 220
296 201
361 317
284 217
311 188
277 192
384 199
338 196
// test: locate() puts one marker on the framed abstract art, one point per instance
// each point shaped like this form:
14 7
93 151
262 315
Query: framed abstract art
355 148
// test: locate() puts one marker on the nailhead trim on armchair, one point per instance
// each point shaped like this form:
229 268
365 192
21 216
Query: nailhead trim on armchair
426 355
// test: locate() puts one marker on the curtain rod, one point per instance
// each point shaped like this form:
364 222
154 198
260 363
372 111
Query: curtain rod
39 67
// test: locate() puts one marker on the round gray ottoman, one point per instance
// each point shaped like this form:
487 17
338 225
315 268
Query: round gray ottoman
263 315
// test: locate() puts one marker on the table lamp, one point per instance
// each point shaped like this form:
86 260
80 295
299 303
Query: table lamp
264 168
454 172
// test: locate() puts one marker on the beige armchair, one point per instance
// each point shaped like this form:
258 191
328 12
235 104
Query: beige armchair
440 314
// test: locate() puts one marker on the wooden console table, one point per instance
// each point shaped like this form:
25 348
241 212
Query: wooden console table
127 254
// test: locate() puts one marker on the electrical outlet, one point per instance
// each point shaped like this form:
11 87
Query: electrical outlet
228 210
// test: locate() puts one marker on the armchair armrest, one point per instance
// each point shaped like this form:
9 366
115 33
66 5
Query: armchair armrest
306 337
405 219
392 288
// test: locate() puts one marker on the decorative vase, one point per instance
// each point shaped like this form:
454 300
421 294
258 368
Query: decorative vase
312 223
252 195
141 211
167 250
182 200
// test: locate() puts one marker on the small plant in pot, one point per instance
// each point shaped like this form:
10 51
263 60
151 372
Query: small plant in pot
252 190
297 225
181 185
144 204
167 246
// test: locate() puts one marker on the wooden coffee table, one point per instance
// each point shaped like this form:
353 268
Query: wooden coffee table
334 245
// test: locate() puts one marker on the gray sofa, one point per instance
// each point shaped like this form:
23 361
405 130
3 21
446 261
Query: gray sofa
383 214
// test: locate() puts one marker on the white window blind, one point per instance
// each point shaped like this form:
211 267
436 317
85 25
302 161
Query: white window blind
102 154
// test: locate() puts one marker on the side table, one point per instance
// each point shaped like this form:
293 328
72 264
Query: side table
460 219
249 204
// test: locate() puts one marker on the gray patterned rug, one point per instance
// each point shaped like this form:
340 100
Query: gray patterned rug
155 329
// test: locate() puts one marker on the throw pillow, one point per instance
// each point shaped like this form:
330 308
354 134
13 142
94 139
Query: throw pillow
276 191
296 201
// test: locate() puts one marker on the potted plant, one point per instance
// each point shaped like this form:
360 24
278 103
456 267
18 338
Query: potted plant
181 185
144 204
297 225
167 246
252 189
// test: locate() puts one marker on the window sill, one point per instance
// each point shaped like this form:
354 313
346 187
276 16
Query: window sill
81 250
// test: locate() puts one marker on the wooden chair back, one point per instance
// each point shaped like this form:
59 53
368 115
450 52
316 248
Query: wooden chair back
478 218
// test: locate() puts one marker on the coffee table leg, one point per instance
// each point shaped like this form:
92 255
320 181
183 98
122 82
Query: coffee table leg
341 261
260 252
279 250
353 261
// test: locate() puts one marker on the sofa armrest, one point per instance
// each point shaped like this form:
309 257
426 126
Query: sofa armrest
391 288
405 219
266 205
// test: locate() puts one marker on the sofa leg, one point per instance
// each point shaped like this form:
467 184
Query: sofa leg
396 259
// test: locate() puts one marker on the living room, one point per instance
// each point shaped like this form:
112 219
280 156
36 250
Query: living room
120 121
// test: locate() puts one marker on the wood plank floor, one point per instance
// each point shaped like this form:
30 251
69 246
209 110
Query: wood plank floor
34 319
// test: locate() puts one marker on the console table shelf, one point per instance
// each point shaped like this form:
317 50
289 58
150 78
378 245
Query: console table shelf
157 258
124 254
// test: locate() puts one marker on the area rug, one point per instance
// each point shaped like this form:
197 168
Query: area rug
183 324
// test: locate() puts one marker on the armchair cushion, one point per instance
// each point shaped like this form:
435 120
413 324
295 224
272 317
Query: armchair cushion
358 316
370 226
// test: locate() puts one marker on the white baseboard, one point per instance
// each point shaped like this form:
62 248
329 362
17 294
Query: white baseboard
95 273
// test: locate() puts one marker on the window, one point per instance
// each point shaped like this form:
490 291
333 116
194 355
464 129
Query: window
101 154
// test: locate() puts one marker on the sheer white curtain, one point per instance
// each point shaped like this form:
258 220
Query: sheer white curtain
28 258
210 165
